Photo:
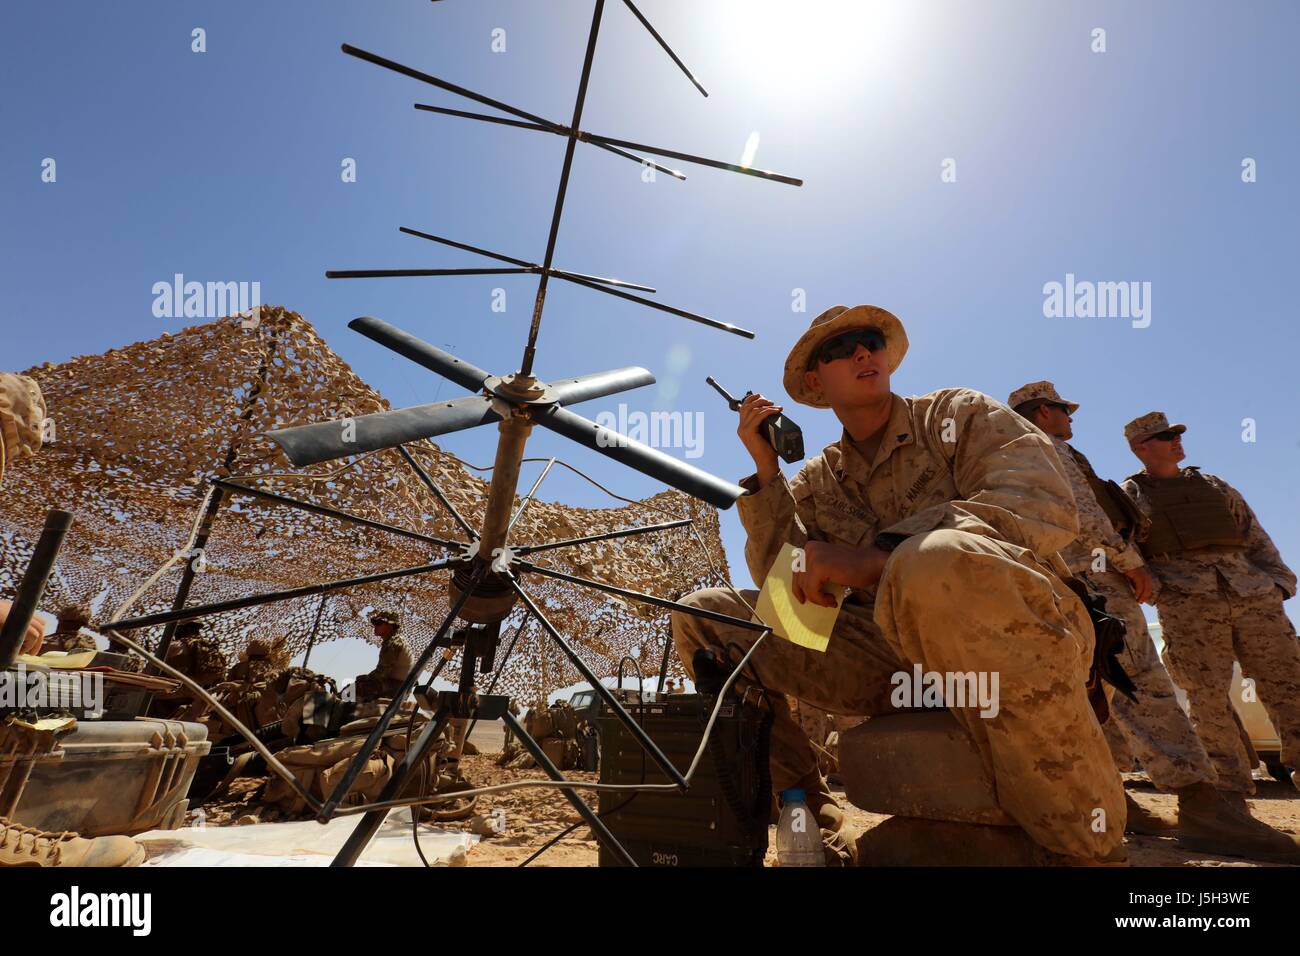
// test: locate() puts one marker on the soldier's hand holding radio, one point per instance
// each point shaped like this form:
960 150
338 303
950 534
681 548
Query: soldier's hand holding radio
754 410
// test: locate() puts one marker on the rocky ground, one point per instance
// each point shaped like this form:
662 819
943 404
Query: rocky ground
535 816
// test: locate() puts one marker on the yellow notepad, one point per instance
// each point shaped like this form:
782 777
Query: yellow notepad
808 625
57 660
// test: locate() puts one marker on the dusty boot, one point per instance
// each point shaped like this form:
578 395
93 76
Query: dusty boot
1146 822
838 842
28 846
1212 821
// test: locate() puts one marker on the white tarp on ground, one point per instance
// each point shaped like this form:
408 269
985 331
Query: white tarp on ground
303 843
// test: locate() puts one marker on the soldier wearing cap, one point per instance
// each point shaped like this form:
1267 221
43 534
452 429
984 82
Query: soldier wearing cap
395 659
256 665
1154 728
943 515
70 634
1221 587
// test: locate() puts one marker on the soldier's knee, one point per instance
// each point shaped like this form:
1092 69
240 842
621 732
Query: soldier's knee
690 631
933 553
703 599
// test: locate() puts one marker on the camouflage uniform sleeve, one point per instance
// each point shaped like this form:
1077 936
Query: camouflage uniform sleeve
1260 550
1009 478
1095 529
772 516
395 659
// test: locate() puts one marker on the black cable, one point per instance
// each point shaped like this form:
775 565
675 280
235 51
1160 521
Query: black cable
415 811
424 771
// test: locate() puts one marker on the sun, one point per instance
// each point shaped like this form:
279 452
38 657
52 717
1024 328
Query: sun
788 51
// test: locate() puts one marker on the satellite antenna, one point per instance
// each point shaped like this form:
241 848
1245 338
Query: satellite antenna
485 585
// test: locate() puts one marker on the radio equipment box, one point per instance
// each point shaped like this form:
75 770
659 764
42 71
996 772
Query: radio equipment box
723 819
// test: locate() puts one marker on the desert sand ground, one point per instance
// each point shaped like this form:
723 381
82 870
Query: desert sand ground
534 816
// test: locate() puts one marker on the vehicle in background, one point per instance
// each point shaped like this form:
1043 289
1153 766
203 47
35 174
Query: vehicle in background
586 705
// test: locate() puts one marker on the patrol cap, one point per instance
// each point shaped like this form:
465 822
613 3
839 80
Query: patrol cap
1039 391
74 614
1152 423
837 319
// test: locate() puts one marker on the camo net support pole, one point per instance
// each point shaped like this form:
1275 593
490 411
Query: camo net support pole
32 587
187 575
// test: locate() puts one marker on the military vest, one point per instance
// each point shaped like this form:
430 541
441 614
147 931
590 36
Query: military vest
1187 514
1123 513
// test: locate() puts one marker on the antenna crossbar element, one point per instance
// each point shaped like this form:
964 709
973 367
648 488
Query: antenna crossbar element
596 138
641 596
415 74
562 273
667 49
406 273
557 130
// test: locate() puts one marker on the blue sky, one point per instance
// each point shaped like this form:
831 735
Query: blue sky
1115 166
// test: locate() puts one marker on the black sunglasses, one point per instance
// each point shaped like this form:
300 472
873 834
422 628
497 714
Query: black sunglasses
1165 436
846 343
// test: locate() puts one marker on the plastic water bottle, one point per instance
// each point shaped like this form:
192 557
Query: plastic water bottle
798 834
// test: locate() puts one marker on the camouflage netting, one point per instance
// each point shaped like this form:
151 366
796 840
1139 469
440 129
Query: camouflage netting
138 430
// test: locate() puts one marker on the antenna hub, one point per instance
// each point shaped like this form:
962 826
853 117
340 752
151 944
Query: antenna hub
492 600
519 388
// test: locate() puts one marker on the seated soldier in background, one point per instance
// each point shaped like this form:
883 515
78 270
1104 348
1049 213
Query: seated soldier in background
201 660
257 663
198 657
395 660
69 634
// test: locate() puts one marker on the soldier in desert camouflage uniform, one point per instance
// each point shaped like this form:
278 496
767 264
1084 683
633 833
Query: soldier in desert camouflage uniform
943 514
69 634
1154 726
395 660
1221 584
256 665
